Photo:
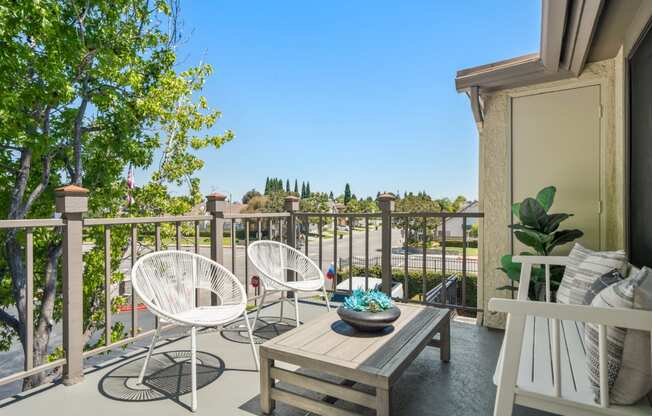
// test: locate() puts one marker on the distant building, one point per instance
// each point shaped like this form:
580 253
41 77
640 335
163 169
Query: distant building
454 224
231 208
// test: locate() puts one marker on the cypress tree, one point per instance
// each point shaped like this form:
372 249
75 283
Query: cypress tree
296 187
347 193
308 193
267 186
287 185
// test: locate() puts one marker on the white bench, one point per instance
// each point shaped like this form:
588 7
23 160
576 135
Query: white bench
542 363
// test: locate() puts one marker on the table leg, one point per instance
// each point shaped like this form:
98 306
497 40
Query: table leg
445 341
383 402
267 405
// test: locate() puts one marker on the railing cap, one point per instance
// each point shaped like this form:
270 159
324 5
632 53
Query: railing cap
70 190
71 199
386 197
291 203
216 196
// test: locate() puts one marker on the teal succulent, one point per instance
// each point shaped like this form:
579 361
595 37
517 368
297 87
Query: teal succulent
368 301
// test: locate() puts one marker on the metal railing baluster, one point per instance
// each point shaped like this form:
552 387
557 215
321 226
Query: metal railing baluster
366 253
424 265
29 299
177 229
406 260
306 233
350 253
444 297
319 230
464 242
197 237
134 302
335 236
107 285
246 265
233 248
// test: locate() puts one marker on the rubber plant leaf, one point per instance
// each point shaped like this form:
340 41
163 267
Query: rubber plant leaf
553 222
546 197
516 210
532 214
564 236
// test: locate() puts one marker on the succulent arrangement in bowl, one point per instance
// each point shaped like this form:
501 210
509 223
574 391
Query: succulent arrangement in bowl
369 301
368 311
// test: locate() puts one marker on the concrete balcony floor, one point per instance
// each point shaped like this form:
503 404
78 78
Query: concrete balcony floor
229 385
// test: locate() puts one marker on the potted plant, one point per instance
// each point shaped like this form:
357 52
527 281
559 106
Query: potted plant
368 311
540 231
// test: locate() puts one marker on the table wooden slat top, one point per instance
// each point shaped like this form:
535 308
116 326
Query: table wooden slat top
333 342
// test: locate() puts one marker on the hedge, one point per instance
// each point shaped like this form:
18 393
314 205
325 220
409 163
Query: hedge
460 243
415 281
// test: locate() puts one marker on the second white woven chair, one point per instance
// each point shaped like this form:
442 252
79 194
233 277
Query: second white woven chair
274 260
167 282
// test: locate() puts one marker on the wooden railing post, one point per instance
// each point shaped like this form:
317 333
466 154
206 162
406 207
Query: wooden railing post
72 203
386 205
216 205
291 205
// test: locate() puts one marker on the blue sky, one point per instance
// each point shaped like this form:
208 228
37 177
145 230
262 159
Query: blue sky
349 91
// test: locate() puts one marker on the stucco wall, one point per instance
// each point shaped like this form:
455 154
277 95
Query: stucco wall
495 239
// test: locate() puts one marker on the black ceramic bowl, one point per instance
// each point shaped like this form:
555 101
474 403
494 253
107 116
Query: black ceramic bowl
369 321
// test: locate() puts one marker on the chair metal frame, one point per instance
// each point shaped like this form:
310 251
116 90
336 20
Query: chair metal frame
275 261
167 282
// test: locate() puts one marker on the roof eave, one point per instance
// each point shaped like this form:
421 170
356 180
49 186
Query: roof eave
567 28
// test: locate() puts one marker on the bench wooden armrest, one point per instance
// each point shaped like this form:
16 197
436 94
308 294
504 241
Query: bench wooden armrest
625 318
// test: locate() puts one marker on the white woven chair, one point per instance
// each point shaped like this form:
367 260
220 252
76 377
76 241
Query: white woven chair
167 282
273 260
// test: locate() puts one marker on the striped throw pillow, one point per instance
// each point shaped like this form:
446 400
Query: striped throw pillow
585 267
628 351
602 283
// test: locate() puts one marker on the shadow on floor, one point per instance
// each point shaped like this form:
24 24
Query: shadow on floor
267 327
167 377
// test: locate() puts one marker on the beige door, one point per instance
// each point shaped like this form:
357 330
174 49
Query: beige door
556 141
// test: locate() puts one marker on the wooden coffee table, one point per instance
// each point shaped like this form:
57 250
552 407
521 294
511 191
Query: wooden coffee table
328 345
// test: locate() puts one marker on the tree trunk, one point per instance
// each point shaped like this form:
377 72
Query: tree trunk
45 324
18 209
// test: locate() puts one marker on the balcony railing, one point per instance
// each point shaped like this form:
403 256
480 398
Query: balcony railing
224 246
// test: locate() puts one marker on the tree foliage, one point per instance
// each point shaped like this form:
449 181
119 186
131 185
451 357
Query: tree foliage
249 195
347 193
420 229
88 89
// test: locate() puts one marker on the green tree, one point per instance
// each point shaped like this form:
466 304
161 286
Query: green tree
418 203
287 185
459 203
330 196
308 192
250 194
347 194
317 202
303 189
296 187
89 88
